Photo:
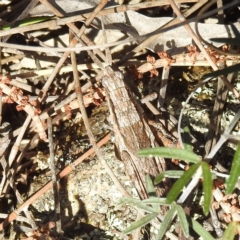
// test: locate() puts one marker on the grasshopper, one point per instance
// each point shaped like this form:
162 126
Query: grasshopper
132 133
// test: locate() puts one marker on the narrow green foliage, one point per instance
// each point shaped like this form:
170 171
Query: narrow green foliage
232 41
166 152
225 71
150 187
183 220
230 231
155 200
159 178
142 222
235 171
197 227
169 173
186 139
138 204
174 173
151 191
207 187
26 22
166 221
181 182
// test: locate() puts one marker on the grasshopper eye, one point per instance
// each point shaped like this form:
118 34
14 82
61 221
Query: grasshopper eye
119 74
105 81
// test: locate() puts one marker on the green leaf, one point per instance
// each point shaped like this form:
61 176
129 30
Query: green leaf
225 71
150 187
155 200
159 178
174 173
151 191
169 173
186 139
26 22
166 221
137 203
183 220
235 171
207 187
197 227
142 222
230 231
232 41
181 182
166 152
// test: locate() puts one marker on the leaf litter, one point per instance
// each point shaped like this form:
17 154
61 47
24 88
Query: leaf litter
88 196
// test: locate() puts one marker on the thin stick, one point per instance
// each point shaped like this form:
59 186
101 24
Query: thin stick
54 178
12 58
107 50
142 66
65 49
214 132
163 87
88 128
17 143
24 86
5 168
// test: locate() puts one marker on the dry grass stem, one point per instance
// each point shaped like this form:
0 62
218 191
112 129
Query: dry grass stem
54 176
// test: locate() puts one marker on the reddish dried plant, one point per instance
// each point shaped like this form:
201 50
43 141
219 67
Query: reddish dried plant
218 59
164 55
192 53
153 71
8 99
